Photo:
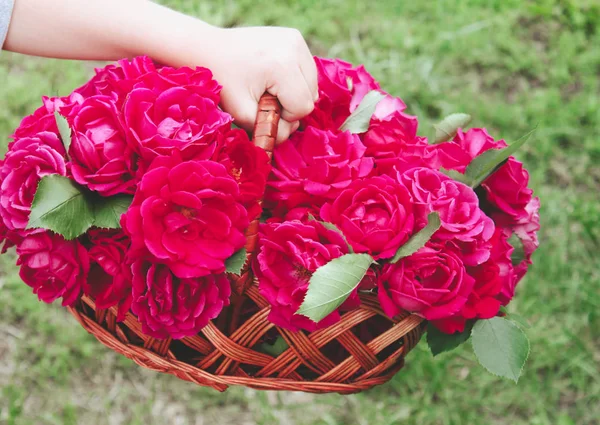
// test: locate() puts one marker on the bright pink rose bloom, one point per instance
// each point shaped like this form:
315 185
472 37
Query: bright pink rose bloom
289 254
375 215
117 80
392 133
458 153
53 267
109 280
432 283
177 119
507 191
315 166
28 160
167 306
101 158
43 118
456 203
526 230
491 278
6 241
196 80
249 165
187 215
341 88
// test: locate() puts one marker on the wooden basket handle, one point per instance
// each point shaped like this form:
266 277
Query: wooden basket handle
267 123
264 136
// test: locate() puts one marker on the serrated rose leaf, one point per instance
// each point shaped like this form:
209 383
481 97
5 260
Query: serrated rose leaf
500 346
108 211
419 239
235 263
332 283
64 130
440 342
358 121
61 205
484 165
448 127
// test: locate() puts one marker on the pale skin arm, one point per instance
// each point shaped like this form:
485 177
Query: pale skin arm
246 61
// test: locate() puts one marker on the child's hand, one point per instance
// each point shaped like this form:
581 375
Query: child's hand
250 61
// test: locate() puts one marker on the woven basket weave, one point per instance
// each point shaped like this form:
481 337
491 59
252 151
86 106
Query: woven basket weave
365 348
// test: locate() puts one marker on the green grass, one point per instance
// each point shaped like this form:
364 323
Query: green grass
512 64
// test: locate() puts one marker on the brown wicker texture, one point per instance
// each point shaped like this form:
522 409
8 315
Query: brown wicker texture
365 348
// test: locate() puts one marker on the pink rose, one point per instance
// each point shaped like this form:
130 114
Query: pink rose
43 118
316 165
458 153
109 280
457 204
491 278
6 236
167 306
28 160
53 267
375 215
526 230
341 88
393 133
250 166
117 80
101 158
187 215
196 80
289 253
177 118
507 191
432 283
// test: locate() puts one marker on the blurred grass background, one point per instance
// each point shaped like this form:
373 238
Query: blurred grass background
511 64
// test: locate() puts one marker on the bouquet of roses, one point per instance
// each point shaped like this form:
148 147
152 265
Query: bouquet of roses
137 191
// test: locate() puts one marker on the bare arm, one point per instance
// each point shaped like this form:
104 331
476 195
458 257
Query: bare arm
246 61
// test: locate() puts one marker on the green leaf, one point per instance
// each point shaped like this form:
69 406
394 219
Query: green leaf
440 342
332 283
358 121
64 130
455 175
448 127
235 263
484 165
419 239
108 211
331 226
518 254
275 349
61 205
500 346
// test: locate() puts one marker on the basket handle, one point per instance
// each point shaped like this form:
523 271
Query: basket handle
264 136
267 123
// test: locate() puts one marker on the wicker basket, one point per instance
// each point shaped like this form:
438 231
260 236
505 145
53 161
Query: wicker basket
365 348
